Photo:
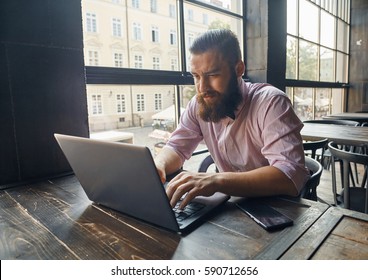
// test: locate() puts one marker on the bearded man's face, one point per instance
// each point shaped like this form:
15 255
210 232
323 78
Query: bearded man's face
219 104
216 84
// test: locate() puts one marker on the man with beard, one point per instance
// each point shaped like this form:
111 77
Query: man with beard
250 130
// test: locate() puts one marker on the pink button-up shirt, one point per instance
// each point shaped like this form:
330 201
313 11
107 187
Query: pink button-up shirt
265 131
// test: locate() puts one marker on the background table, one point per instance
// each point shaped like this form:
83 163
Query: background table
359 117
344 134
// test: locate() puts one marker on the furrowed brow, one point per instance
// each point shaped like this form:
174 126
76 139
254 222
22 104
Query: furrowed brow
208 73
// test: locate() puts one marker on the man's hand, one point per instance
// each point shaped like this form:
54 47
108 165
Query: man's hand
190 185
161 172
167 162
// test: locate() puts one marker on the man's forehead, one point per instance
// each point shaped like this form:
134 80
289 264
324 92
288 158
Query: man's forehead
207 61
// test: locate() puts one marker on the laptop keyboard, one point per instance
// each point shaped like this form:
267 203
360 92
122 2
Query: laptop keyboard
189 210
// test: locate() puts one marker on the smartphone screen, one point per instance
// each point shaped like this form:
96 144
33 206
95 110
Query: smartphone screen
265 215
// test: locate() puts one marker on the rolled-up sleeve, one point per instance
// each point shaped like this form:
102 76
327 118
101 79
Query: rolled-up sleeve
283 145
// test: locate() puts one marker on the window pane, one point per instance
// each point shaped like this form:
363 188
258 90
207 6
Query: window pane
292 13
303 103
108 31
234 6
327 30
326 65
291 58
341 68
342 36
289 93
194 25
137 110
329 64
308 21
308 61
323 103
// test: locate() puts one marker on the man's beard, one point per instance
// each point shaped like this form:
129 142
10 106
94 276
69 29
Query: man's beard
225 104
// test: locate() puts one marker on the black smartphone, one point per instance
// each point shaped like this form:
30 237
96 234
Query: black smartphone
264 215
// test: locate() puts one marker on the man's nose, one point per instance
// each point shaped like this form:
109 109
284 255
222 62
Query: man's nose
203 85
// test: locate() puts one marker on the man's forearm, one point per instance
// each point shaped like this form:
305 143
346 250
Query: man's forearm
264 181
169 160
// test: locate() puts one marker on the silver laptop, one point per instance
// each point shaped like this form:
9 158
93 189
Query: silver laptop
124 178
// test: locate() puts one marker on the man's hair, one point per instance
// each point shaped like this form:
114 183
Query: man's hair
223 41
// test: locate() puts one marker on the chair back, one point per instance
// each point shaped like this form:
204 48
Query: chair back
310 189
206 163
313 146
354 198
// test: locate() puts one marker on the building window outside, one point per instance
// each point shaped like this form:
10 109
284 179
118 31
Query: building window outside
153 6
96 104
93 58
190 39
137 31
140 103
135 4
138 61
172 11
118 60
174 64
173 40
156 63
158 101
116 27
154 32
190 15
120 103
91 22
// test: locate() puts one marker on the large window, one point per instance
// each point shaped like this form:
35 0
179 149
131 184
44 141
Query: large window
317 55
137 61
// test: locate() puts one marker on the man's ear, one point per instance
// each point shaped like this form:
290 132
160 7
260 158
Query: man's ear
240 68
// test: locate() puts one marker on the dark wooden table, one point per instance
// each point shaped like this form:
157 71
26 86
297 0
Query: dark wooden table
55 220
359 117
338 234
344 134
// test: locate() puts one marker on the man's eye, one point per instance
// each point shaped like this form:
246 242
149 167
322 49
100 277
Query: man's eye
214 75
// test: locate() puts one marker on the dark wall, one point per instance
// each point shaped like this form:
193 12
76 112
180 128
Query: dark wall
358 75
42 86
257 40
266 41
